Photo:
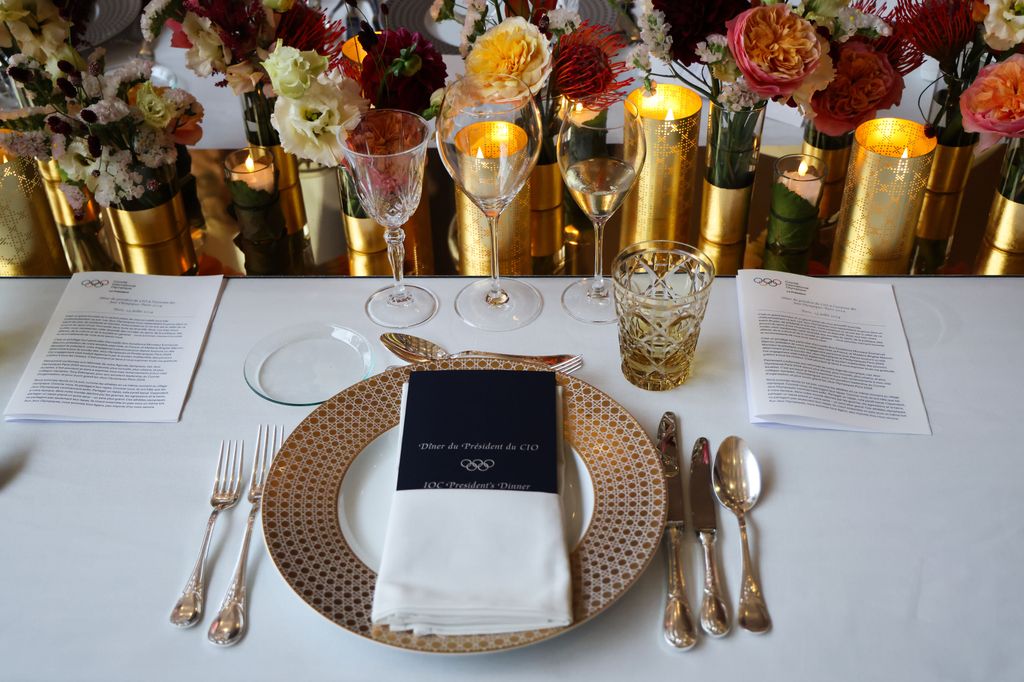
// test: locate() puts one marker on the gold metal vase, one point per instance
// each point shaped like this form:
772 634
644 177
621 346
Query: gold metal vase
29 241
81 232
547 219
156 240
882 200
660 205
1002 247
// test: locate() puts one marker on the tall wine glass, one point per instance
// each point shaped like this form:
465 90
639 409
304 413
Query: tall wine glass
386 154
600 159
488 135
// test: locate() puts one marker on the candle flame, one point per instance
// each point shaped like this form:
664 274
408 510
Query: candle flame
906 153
479 152
250 166
669 115
803 168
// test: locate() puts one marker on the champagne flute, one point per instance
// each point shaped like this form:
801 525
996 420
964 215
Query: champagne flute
386 154
599 162
488 136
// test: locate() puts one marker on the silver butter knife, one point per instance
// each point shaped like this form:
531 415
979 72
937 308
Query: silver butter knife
679 628
714 618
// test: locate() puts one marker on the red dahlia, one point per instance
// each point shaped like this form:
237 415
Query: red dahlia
401 71
584 70
692 21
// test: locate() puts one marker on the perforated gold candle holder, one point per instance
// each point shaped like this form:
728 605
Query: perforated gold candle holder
660 204
29 243
481 142
885 186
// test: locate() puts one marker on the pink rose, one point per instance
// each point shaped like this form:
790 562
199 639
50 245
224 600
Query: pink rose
774 48
994 103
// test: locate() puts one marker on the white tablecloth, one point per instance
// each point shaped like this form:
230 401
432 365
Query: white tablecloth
882 557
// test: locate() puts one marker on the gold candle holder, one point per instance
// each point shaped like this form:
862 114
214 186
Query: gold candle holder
29 242
547 218
659 207
1002 248
885 187
483 143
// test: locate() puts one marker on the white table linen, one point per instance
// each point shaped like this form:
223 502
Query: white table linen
881 556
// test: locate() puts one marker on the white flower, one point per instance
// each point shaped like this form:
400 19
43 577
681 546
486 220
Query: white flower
713 49
150 31
74 158
292 72
640 58
114 181
75 196
34 144
243 77
155 148
563 20
109 110
133 71
1004 24
736 95
654 34
474 24
208 52
316 126
39 31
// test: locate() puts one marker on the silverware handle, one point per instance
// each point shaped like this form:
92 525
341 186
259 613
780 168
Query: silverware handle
189 607
543 359
753 614
230 623
714 617
679 628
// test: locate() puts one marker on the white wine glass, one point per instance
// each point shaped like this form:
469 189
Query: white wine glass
599 159
386 154
488 136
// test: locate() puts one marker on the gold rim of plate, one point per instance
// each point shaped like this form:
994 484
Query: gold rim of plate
303 532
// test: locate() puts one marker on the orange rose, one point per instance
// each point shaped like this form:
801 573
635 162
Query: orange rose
775 49
865 82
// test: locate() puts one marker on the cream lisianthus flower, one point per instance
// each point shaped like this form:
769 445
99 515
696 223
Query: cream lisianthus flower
292 72
155 110
208 52
1004 24
315 127
278 5
514 47
41 32
243 77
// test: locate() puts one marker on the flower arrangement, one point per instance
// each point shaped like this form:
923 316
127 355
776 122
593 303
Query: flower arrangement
963 36
114 133
993 107
560 57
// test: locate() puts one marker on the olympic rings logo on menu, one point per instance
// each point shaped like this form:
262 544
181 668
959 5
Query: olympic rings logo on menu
94 283
767 281
477 464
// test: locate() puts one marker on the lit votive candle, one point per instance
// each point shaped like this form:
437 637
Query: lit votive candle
249 171
793 219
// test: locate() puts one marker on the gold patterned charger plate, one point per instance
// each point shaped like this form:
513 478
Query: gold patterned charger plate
331 569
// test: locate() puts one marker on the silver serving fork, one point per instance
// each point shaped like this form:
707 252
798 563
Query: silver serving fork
227 490
230 624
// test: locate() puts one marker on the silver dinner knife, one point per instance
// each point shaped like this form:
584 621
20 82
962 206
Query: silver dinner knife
714 618
679 628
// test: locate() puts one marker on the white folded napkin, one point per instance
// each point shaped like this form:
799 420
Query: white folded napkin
473 559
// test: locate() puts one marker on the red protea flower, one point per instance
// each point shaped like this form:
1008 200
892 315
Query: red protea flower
583 69
305 28
902 54
941 29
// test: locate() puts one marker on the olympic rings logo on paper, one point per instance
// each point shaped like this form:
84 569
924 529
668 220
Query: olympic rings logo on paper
767 281
95 283
477 464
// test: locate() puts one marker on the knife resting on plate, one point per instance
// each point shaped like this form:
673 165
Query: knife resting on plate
679 628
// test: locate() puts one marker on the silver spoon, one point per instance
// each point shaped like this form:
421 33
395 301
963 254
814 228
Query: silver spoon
737 483
416 349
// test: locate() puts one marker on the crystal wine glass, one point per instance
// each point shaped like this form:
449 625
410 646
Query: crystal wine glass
600 159
488 136
385 154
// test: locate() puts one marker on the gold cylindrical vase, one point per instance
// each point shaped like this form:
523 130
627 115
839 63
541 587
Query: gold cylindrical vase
836 162
483 144
81 231
659 206
1002 247
950 169
156 240
547 219
885 187
290 189
29 240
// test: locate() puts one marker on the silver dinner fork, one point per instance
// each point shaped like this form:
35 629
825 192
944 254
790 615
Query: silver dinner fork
230 624
569 366
227 489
